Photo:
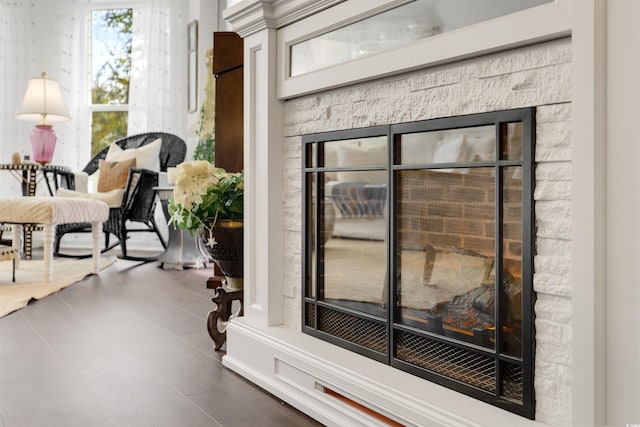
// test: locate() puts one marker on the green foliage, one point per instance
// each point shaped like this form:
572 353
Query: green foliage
205 150
225 200
111 82
203 194
107 126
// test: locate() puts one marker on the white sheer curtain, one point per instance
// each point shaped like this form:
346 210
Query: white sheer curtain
157 93
50 36
60 53
37 36
12 63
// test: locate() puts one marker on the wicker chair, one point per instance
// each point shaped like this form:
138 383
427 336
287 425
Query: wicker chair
139 200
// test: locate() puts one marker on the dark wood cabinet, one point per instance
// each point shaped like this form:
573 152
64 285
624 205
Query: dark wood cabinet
228 60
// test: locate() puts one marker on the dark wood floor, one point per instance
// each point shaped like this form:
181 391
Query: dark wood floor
127 348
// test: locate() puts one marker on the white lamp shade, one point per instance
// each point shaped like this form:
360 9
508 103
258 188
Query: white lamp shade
43 102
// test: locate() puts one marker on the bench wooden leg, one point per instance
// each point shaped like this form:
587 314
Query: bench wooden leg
96 229
48 233
16 240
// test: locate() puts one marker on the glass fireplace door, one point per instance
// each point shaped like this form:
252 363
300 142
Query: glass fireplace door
418 245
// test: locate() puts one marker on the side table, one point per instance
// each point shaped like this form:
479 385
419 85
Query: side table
218 319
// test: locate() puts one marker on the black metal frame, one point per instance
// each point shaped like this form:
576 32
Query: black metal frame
313 168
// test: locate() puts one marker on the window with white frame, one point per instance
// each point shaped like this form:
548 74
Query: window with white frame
110 71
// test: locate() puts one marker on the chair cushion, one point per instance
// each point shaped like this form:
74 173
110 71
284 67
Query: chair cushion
51 210
113 175
112 198
147 156
372 153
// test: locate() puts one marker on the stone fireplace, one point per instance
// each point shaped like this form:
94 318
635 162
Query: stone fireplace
332 383
535 76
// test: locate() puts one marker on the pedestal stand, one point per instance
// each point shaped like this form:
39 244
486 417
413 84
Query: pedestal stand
218 319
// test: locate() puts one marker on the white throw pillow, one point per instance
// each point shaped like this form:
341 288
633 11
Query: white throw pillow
330 161
368 154
147 156
92 182
82 182
451 149
481 148
418 148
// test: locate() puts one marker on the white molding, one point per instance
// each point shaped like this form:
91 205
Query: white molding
551 21
289 11
588 219
292 365
251 16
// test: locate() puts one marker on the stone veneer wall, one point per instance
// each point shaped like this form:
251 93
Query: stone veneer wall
537 75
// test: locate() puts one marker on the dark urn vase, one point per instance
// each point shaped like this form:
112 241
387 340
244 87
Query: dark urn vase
228 251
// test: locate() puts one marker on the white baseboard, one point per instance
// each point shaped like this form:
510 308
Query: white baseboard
296 367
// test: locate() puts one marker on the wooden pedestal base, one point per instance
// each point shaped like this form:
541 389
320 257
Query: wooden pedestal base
218 319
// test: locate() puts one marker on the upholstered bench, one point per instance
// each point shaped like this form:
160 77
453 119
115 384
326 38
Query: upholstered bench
51 211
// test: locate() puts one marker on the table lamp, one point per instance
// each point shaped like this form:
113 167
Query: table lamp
43 103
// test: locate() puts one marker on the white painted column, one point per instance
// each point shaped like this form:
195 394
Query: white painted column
588 236
264 226
622 246
263 142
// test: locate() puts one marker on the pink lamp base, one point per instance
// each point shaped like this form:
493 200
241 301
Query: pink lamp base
43 142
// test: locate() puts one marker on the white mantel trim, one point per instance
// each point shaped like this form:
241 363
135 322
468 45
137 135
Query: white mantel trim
553 20
251 16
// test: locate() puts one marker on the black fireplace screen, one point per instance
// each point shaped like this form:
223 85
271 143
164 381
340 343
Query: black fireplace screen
418 249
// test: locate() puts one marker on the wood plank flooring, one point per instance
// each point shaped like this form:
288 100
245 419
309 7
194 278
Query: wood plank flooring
126 348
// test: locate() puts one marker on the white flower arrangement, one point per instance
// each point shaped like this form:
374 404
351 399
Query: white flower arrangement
203 194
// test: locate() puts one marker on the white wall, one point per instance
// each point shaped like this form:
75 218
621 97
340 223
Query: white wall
623 213
52 54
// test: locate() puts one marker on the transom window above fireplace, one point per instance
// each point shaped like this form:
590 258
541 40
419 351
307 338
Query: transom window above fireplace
413 20
418 248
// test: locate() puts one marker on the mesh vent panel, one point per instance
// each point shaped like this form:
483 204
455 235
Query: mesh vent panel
366 333
512 382
310 318
455 363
